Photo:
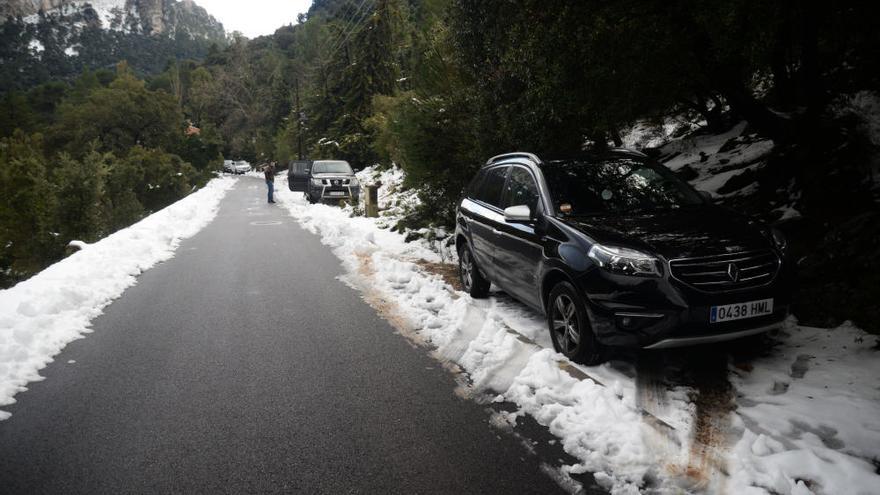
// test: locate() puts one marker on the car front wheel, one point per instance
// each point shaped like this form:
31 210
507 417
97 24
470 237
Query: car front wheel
471 279
570 327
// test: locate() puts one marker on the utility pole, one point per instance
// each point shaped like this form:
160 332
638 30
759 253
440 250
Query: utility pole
299 119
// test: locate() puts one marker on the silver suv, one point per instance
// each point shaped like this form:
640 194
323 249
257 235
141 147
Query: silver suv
322 180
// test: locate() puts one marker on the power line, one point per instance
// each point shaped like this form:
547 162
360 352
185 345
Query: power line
346 21
352 29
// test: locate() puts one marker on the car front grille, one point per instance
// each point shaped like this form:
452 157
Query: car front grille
727 272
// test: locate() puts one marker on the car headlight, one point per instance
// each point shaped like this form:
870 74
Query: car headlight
354 182
623 261
317 182
779 239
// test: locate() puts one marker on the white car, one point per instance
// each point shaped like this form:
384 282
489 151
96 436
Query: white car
242 167
236 166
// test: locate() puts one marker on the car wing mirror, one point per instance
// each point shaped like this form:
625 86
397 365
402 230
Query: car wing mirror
519 213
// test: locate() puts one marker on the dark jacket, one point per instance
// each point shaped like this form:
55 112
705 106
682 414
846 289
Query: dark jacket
269 172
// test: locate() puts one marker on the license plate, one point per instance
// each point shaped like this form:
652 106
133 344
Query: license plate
739 311
336 193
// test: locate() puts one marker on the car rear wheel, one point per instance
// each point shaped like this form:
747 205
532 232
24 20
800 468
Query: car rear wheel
570 327
471 278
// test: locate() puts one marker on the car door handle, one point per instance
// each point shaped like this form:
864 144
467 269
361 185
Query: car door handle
496 231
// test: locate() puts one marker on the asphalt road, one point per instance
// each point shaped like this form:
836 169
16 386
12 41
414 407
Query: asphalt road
242 365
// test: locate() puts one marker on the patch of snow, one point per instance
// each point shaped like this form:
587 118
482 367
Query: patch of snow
36 46
112 14
72 51
788 213
809 411
691 150
645 134
714 167
41 315
77 244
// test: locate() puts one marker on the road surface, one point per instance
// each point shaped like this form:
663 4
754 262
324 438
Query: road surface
242 365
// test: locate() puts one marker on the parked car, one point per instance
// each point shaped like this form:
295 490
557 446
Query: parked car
236 166
322 180
242 167
616 250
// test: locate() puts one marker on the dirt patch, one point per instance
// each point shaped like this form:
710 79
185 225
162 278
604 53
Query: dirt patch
712 394
714 403
386 309
448 272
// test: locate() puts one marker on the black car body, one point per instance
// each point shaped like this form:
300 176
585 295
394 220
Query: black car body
644 260
322 180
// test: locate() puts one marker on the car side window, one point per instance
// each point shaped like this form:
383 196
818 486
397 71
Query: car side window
474 187
520 189
493 184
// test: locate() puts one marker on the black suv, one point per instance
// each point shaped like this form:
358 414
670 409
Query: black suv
616 250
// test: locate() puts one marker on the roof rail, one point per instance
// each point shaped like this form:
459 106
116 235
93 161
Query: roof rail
518 154
629 151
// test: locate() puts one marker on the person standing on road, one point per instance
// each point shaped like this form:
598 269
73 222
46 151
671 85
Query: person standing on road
269 172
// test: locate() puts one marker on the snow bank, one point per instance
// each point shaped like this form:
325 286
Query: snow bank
40 316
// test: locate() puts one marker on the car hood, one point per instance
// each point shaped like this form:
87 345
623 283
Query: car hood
688 232
333 176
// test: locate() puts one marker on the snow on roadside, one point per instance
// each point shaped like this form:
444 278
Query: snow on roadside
809 415
806 416
396 202
41 315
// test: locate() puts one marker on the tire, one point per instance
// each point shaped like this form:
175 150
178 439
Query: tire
311 200
570 327
471 279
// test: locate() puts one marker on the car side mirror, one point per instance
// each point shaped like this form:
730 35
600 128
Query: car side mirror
519 213
707 196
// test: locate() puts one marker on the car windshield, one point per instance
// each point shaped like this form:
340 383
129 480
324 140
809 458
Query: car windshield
331 167
616 185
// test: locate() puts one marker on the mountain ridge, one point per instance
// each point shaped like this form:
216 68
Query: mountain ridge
42 40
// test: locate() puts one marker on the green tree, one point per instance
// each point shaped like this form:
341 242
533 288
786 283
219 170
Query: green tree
118 117
27 208
120 202
166 177
80 189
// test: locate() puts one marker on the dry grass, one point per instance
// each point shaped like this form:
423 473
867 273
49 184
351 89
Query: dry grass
448 272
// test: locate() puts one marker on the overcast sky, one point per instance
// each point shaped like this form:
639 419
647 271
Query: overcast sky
255 17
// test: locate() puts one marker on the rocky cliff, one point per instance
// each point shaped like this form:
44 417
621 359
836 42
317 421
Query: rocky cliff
42 40
156 17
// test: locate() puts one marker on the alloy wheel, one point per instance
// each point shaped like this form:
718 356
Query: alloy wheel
466 269
565 323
